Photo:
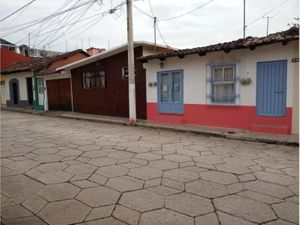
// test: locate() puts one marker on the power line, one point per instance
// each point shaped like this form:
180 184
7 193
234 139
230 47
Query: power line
143 12
101 16
271 10
17 10
37 21
44 22
161 36
186 13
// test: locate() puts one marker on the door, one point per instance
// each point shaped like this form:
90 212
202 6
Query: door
41 88
15 93
29 90
59 94
271 88
170 91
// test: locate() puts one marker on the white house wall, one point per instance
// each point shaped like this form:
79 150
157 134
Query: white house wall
195 71
194 68
23 94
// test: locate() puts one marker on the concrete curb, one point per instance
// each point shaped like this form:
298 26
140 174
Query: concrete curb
208 132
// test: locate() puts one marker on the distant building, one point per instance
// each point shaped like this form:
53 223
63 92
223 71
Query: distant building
6 44
37 53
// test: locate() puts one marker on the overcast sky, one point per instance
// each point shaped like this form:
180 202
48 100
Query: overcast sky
218 21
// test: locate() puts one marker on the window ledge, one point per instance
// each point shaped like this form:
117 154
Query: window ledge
224 104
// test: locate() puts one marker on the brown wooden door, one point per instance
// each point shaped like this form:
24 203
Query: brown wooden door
59 94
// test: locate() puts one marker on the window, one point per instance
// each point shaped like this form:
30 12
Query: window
125 72
223 84
95 79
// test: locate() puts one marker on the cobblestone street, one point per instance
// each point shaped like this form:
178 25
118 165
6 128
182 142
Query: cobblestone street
61 171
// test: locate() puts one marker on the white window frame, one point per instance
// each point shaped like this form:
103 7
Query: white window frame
209 83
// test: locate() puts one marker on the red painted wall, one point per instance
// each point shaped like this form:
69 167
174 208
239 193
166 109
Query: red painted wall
9 57
240 117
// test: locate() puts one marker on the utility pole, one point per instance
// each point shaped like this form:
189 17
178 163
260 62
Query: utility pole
155 21
89 41
81 43
244 20
268 21
66 45
29 40
131 72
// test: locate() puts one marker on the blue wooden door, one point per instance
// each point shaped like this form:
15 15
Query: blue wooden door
271 88
170 91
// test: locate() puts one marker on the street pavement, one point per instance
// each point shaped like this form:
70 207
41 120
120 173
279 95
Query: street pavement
63 171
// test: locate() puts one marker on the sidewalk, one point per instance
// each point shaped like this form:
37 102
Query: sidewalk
234 134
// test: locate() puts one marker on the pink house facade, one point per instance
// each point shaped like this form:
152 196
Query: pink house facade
250 84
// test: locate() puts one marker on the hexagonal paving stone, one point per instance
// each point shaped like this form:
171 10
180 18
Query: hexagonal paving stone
142 200
124 183
120 155
181 175
268 189
54 177
275 178
127 215
20 186
55 192
189 204
64 212
279 222
103 161
23 165
163 164
287 211
69 152
98 196
162 190
145 173
210 219
165 217
213 159
245 208
50 167
112 171
177 158
81 169
233 168
105 221
206 189
45 151
148 156
34 203
100 212
48 158
219 177
226 219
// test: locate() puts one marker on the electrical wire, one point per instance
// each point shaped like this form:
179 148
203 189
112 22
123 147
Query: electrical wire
186 13
271 10
37 21
29 3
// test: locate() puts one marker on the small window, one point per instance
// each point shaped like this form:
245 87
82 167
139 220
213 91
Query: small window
95 79
223 84
125 72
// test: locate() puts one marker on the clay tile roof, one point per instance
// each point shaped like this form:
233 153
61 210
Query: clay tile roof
38 64
249 42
